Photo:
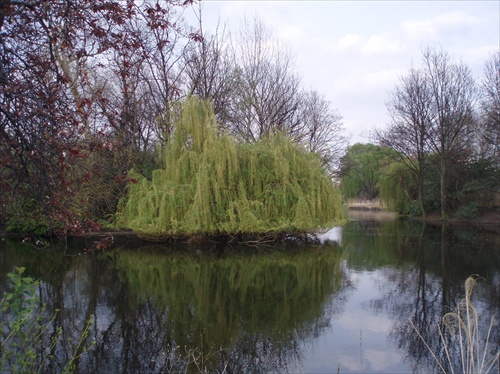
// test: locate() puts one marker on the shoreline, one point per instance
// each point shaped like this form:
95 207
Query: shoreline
489 221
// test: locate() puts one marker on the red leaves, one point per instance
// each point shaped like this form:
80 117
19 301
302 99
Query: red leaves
86 178
112 11
57 102
81 102
100 245
158 17
99 32
125 179
162 43
196 37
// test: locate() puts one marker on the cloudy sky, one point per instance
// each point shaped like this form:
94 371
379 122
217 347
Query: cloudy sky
353 52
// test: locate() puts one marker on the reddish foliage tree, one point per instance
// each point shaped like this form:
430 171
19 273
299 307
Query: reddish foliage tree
54 112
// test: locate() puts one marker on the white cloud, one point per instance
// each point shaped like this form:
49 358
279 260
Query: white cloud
368 81
292 33
365 322
349 41
420 29
373 45
369 360
378 44
454 19
358 129
380 360
354 52
476 56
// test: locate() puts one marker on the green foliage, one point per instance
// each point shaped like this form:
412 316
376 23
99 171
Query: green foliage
362 167
468 211
21 332
26 216
471 187
474 185
213 185
23 329
396 189
25 289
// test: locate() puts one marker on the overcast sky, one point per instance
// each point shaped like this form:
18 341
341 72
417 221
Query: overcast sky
353 52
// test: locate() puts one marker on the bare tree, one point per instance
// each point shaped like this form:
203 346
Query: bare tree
145 77
321 130
166 42
255 91
266 88
453 94
408 133
490 109
210 69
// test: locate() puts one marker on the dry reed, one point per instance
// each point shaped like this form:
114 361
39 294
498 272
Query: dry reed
463 324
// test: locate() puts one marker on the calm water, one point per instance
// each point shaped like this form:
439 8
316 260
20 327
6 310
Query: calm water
342 305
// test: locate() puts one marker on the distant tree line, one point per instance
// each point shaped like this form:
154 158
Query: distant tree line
89 91
440 151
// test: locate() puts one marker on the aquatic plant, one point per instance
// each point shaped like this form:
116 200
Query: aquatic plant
17 346
212 184
23 329
463 324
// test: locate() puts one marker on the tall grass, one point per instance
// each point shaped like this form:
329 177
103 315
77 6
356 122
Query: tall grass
463 326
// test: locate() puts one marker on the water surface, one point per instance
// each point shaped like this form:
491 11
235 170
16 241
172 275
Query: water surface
339 304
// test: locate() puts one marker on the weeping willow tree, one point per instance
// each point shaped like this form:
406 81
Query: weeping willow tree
397 189
213 185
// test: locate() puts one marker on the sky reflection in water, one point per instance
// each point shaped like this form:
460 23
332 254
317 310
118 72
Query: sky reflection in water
357 340
344 306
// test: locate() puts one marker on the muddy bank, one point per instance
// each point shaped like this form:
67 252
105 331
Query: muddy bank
360 204
489 221
373 210
365 214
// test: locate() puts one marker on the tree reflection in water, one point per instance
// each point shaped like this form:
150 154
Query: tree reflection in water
157 308
421 272
254 307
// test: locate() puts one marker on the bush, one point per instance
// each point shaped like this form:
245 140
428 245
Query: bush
470 210
27 216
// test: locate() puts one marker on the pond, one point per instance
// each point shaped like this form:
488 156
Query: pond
340 304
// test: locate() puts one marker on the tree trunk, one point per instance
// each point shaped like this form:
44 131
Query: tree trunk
444 215
421 194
